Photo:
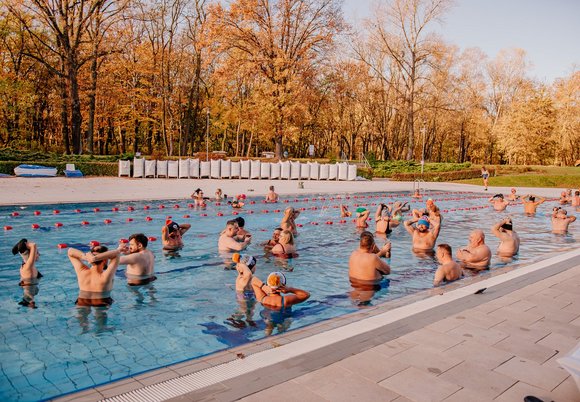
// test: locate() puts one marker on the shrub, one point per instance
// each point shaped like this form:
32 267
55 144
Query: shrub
442 176
367 173
389 168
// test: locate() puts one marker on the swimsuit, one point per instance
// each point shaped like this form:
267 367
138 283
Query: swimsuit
95 299
138 280
281 295
245 295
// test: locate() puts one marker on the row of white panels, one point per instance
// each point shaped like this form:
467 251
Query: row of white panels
226 169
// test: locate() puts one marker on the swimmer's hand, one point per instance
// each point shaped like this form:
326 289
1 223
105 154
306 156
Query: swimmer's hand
387 246
90 258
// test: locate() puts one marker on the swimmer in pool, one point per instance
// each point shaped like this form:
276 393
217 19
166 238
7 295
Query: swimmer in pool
361 217
198 198
498 202
383 219
364 264
285 247
576 200
509 240
565 198
530 203
431 210
219 195
449 270
29 275
172 235
344 212
227 240
242 233
95 281
271 196
477 254
289 220
274 240
244 316
423 238
417 194
513 196
275 295
140 262
561 220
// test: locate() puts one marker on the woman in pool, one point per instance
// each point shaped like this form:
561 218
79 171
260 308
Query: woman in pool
285 247
289 220
484 176
274 294
29 275
397 213
219 195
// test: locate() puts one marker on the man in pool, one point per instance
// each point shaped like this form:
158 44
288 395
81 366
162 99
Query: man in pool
477 254
242 233
423 238
29 275
227 240
271 196
513 196
95 281
565 198
274 240
561 220
140 261
365 264
498 202
530 203
361 217
172 235
509 240
449 270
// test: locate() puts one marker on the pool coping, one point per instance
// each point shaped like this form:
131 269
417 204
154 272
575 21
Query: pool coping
237 372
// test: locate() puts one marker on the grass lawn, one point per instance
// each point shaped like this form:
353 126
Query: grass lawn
540 176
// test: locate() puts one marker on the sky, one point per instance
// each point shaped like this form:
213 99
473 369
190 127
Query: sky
548 30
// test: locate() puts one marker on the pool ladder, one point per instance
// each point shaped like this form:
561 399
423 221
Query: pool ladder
419 184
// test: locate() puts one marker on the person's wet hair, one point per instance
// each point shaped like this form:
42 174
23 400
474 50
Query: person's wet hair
20 247
367 240
241 221
446 247
140 238
532 198
232 222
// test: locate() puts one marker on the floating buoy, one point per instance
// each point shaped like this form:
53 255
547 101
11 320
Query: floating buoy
78 211
129 219
37 213
14 214
97 209
220 214
276 210
252 202
342 221
61 245
107 221
250 212
85 223
235 213
314 208
303 209
7 227
176 206
35 226
299 225
218 204
329 222
186 216
58 224
314 223
265 211
161 206
148 218
130 209
94 243
202 214
286 201
168 218
146 207
56 212
190 205
115 209
151 238
123 241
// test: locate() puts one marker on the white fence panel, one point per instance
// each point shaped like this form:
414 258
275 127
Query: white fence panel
285 170
236 170
161 168
275 169
342 171
294 170
184 168
265 170
204 169
194 168
215 169
314 170
305 171
124 168
173 169
226 169
138 167
245 170
324 169
150 168
352 172
255 169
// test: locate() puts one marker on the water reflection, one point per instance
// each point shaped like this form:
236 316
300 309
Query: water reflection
100 320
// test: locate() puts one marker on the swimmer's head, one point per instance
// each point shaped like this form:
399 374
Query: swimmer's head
422 224
137 242
367 240
507 225
513 190
241 221
562 211
429 201
499 195
97 250
172 227
360 210
563 194
246 259
21 247
532 198
276 280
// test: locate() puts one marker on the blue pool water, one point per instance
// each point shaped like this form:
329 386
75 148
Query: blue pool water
191 310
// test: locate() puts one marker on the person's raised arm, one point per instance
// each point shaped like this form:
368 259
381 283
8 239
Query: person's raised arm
383 267
244 274
436 228
385 251
31 254
572 219
405 207
495 229
76 256
184 228
408 226
164 234
296 296
378 213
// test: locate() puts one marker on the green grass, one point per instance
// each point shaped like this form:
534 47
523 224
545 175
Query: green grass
567 178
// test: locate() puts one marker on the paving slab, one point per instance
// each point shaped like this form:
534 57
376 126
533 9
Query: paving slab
419 386
480 380
531 372
479 353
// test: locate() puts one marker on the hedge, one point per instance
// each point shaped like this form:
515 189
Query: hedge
88 168
441 176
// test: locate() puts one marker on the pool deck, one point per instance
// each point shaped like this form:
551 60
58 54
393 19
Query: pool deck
442 344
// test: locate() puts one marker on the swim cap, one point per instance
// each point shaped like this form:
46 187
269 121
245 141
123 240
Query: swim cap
360 210
276 279
423 222
249 260
172 227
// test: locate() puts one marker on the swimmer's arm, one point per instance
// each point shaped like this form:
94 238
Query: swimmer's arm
378 213
134 258
408 227
184 228
404 208
296 296
495 229
439 276
385 251
75 256
164 234
113 264
31 255
436 229
232 244
572 218
259 288
383 267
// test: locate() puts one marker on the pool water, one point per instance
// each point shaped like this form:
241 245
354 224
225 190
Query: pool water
191 310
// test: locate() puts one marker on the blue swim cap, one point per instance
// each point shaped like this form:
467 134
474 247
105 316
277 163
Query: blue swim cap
423 222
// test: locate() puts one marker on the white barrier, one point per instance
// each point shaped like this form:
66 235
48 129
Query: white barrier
255 169
215 169
204 169
324 168
226 169
352 172
125 168
294 170
285 170
184 168
162 169
150 168
275 168
342 171
138 167
194 168
236 170
173 169
244 169
314 170
305 171
265 170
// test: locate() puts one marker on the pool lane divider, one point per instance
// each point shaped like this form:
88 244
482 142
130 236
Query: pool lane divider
299 349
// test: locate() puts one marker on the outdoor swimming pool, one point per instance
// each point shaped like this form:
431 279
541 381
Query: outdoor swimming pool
191 310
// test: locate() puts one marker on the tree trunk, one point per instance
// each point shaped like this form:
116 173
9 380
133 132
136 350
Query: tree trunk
92 98
64 116
76 116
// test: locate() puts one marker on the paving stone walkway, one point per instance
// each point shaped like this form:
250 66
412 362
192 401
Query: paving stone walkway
502 350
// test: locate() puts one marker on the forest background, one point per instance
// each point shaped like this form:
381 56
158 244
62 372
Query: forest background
104 77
